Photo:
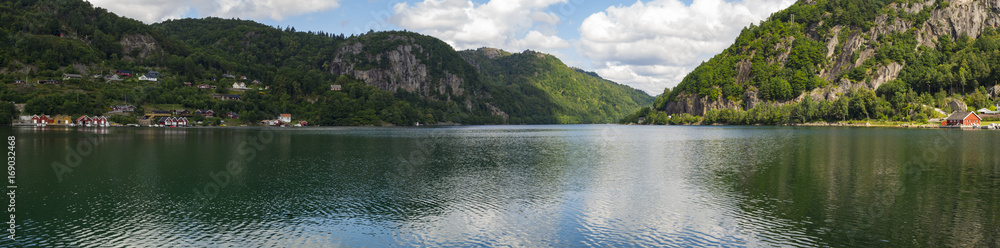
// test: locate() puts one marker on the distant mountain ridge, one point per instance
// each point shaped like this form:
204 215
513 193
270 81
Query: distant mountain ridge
404 77
540 79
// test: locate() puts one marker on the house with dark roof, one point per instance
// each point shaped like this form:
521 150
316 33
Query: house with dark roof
148 78
963 118
205 112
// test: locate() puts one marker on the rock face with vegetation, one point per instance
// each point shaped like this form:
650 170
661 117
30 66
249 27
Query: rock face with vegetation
399 61
386 78
903 54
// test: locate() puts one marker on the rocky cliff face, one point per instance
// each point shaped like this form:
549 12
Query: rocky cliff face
961 17
139 46
398 68
692 104
850 47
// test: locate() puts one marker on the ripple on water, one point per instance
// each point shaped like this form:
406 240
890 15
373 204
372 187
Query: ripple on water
561 186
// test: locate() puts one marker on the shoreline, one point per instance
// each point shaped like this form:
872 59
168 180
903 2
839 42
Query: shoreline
867 124
846 124
811 124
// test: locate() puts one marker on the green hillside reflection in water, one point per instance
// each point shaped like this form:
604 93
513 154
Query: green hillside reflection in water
578 185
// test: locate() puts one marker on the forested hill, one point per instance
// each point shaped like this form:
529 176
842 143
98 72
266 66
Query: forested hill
530 83
849 59
394 78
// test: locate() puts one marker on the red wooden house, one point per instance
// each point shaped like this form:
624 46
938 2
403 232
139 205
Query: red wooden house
963 119
84 121
100 121
174 121
41 119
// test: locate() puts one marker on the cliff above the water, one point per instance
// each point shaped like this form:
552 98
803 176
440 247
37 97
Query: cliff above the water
828 49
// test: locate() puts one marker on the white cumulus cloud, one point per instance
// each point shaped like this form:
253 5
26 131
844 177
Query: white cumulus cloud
507 24
151 11
653 45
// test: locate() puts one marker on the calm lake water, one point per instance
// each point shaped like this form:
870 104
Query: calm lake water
578 185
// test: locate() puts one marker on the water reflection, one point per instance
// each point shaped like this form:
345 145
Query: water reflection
590 185
876 187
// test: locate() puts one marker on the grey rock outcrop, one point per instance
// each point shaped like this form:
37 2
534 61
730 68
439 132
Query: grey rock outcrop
994 91
884 74
961 17
396 69
139 46
691 104
957 106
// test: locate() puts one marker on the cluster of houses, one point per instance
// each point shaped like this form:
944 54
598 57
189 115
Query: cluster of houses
236 86
283 120
122 108
179 117
154 76
173 122
119 75
115 75
158 118
243 86
65 120
205 112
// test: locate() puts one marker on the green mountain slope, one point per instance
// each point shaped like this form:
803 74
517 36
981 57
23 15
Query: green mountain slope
848 59
387 77
533 86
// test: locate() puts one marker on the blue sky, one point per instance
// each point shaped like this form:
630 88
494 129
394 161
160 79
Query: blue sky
647 44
